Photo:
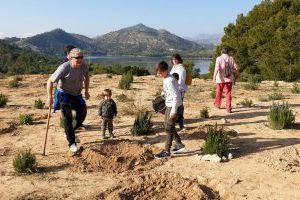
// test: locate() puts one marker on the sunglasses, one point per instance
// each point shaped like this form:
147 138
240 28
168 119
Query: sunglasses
79 57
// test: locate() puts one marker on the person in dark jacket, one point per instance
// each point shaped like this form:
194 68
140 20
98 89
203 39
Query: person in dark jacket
107 111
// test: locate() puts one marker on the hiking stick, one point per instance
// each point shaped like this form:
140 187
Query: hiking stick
48 120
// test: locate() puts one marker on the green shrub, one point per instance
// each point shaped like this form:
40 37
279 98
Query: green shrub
280 116
123 98
142 124
204 113
14 83
3 100
39 104
251 86
216 141
275 96
126 81
246 103
295 89
25 162
26 119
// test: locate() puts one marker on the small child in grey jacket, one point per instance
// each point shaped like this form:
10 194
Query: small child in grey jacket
107 111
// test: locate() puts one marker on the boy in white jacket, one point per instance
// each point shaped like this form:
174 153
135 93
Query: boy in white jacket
173 108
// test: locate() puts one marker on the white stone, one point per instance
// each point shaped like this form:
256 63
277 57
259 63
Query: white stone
230 156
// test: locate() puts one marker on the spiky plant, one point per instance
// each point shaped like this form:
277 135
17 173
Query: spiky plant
280 116
204 113
39 104
142 124
216 141
25 162
26 119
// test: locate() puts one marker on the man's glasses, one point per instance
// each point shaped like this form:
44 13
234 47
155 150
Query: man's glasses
78 57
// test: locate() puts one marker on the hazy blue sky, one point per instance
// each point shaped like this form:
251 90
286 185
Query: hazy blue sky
96 17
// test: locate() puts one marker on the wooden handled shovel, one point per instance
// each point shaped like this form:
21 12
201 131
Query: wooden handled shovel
48 121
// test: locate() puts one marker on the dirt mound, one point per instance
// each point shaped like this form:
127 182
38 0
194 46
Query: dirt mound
159 186
7 127
114 156
286 159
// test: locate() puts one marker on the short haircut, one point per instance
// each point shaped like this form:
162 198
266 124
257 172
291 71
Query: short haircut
107 92
68 48
162 66
225 50
177 57
176 76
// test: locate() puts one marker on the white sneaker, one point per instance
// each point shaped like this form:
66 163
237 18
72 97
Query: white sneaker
73 148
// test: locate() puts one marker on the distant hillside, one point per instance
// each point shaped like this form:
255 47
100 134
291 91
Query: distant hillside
142 40
53 42
136 40
15 60
208 39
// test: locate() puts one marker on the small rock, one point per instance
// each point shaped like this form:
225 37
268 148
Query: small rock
230 156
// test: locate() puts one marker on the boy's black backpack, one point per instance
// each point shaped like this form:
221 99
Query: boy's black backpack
159 105
228 70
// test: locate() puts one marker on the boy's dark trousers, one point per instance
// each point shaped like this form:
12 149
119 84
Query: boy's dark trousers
66 109
170 128
107 123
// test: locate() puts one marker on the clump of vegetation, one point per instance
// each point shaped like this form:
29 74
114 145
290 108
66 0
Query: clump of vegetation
275 96
142 124
14 83
275 84
204 113
26 119
216 141
39 104
123 98
118 70
246 103
3 100
189 65
280 116
126 81
25 162
251 86
295 89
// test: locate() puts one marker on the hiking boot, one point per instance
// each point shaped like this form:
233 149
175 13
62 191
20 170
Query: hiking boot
73 148
162 155
178 148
